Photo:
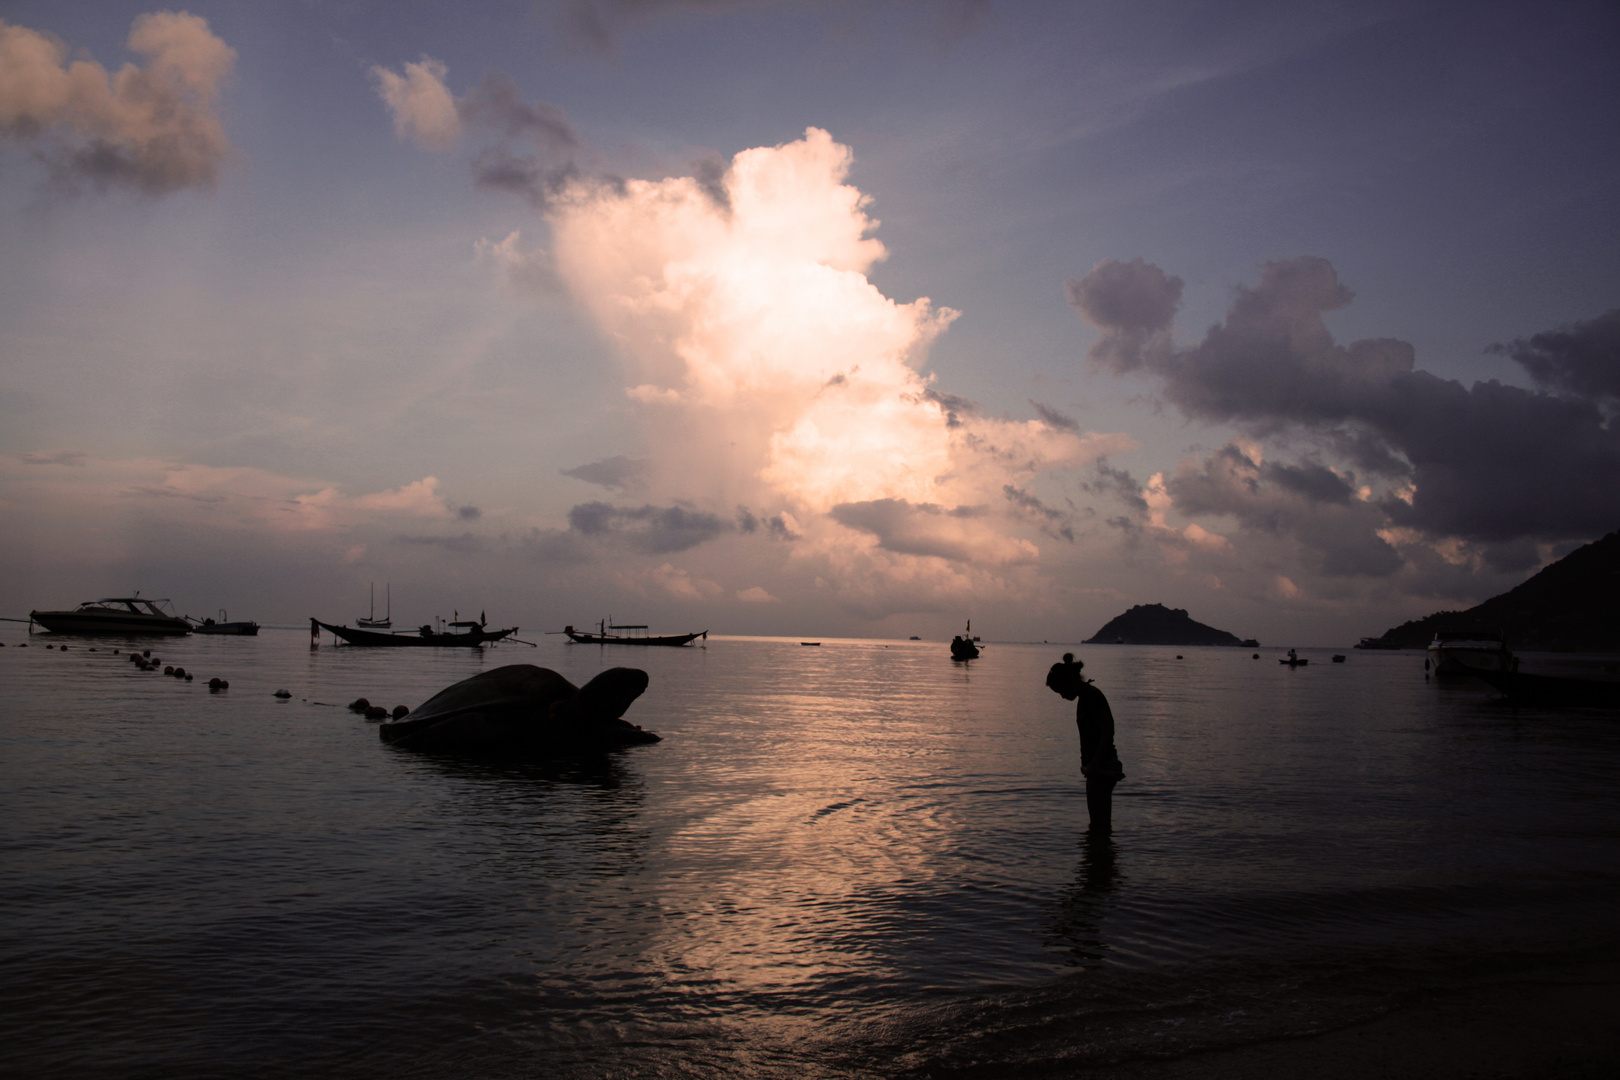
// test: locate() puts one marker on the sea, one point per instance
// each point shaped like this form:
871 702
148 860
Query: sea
850 859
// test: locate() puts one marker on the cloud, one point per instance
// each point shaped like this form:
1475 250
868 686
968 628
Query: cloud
60 457
1489 464
153 128
528 273
1309 503
424 110
653 529
532 152
1580 359
669 580
1133 303
756 595
618 473
960 534
1055 419
772 374
469 513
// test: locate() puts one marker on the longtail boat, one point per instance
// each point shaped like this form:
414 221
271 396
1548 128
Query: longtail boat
604 637
473 635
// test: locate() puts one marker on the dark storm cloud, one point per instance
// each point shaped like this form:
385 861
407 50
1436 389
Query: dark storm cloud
1579 359
615 473
1488 463
1317 483
1053 522
1307 502
1055 419
656 530
710 173
1133 302
1116 483
469 513
953 406
534 157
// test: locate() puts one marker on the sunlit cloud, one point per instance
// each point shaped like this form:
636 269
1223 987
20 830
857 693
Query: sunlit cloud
424 110
151 128
774 374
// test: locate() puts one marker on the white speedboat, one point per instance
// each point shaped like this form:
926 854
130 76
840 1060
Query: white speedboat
115 615
1465 654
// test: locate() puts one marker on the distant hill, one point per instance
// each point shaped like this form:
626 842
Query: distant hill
1571 606
1155 624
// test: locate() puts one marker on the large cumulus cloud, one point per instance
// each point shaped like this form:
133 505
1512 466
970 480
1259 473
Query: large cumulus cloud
152 128
1491 463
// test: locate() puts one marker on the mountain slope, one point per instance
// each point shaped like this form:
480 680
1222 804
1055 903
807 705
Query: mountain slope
1571 606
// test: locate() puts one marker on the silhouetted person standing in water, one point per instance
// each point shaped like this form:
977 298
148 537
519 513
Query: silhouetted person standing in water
1099 761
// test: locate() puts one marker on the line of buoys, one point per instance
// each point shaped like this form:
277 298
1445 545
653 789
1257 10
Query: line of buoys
365 708
283 694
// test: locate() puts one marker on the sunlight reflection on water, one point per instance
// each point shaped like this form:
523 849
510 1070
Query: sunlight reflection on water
826 836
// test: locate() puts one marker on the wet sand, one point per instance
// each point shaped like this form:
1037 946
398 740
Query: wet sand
1545 1023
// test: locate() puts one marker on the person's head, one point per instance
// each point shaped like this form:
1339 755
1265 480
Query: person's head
1068 658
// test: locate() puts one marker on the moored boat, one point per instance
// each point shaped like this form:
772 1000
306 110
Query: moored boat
1470 653
114 615
474 634
604 637
241 628
371 622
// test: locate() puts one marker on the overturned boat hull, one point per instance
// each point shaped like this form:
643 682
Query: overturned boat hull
522 709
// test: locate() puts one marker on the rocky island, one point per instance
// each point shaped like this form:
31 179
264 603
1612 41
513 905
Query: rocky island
1569 606
1155 624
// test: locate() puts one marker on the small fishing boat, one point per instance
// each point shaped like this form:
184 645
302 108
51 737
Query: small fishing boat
604 636
224 626
115 615
470 634
1293 659
371 622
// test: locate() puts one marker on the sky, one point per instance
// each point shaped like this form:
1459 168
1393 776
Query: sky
807 318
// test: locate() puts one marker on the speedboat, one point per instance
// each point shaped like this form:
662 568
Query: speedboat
115 615
1470 653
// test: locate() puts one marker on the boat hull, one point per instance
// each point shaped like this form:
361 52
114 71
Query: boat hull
473 639
614 639
237 629
111 622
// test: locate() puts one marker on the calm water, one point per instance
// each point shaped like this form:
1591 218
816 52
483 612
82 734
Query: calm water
858 859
